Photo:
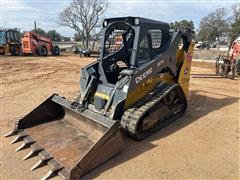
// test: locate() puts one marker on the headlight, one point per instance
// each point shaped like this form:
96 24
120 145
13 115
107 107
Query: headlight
136 21
105 23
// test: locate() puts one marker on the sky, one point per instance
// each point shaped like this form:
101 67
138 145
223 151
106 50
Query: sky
21 14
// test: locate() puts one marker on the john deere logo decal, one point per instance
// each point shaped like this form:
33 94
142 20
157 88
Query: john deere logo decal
143 76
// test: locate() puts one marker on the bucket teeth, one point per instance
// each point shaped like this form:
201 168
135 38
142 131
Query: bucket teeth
30 154
27 142
51 173
20 137
33 152
23 146
45 157
39 164
11 133
17 139
63 174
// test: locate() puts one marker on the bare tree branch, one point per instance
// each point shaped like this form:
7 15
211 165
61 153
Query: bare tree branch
214 25
236 11
83 16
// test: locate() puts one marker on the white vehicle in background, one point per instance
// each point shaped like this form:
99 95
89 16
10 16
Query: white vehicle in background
201 45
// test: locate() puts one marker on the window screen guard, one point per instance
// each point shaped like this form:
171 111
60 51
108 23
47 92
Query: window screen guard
149 46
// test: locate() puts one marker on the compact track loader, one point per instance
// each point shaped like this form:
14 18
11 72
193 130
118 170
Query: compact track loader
138 85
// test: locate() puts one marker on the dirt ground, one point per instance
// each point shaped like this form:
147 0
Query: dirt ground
202 145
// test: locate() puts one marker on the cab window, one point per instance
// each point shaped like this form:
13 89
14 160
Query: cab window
149 46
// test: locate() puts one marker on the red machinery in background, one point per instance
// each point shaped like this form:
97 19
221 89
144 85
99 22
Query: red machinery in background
33 43
231 62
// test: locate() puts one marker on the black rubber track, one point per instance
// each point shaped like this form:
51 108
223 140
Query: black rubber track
133 116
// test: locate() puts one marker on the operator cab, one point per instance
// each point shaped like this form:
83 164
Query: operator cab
117 49
130 43
9 36
2 37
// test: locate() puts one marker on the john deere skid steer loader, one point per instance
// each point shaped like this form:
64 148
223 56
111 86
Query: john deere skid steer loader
138 85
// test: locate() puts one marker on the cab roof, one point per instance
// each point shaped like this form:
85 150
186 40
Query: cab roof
131 19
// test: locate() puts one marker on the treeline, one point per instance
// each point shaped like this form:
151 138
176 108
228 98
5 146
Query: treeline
86 22
221 22
52 34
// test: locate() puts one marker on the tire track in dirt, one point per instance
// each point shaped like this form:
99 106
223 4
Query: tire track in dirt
46 75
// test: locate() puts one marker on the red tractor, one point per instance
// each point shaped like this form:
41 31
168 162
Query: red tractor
230 64
33 43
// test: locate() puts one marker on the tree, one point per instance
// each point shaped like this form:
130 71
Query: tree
96 36
235 29
236 12
40 31
66 38
54 35
214 25
83 16
77 37
235 26
182 24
